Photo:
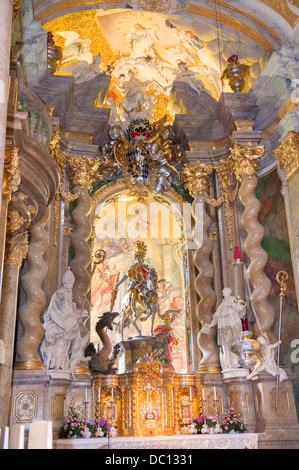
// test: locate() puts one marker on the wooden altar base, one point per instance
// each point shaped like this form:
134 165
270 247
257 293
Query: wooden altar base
199 441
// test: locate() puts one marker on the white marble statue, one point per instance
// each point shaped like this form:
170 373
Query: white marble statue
63 347
189 77
82 71
228 320
135 103
266 361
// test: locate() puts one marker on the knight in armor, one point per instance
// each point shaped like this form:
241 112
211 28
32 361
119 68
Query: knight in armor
142 291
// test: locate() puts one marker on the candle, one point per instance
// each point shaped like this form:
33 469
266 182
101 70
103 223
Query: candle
203 394
191 394
112 395
215 397
86 395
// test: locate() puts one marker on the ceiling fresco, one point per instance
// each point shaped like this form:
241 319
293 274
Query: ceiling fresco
145 53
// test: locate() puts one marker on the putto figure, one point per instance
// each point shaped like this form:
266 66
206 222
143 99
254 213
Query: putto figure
141 300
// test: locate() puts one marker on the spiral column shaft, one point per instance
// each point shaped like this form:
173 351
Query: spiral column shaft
260 283
246 164
30 312
209 362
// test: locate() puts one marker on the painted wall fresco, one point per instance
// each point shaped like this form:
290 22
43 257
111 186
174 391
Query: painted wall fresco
158 49
276 244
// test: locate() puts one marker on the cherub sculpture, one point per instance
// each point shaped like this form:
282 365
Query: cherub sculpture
266 361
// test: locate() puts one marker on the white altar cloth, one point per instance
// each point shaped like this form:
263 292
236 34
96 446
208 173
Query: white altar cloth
198 441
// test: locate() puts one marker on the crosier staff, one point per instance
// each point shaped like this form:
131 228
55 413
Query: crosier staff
281 278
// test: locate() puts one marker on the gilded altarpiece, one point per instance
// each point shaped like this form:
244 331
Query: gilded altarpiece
149 400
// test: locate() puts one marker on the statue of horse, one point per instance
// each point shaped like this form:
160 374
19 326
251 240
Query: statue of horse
142 305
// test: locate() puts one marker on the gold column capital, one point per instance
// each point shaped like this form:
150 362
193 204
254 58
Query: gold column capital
287 154
83 170
12 174
16 248
195 176
246 159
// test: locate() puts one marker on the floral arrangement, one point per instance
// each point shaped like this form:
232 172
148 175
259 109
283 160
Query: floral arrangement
103 428
231 422
75 426
198 423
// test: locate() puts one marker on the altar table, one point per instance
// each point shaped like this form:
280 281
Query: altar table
198 441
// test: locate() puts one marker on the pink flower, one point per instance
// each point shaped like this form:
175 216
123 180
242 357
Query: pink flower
108 426
226 428
224 421
70 432
235 420
102 421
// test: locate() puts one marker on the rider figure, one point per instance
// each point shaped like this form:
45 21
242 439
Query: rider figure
141 285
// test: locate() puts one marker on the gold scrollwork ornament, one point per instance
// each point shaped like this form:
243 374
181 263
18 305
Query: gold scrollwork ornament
83 170
246 159
17 248
195 177
12 174
287 154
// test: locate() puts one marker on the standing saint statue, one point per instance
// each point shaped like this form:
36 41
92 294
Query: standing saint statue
141 299
62 347
228 320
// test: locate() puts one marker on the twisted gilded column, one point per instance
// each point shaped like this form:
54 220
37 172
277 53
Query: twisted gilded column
83 174
246 163
196 181
31 310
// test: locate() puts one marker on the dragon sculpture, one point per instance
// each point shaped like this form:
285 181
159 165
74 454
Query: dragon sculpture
103 361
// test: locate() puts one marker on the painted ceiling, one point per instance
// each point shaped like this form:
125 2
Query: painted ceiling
151 43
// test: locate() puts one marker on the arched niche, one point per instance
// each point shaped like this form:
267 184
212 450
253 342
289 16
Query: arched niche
120 216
